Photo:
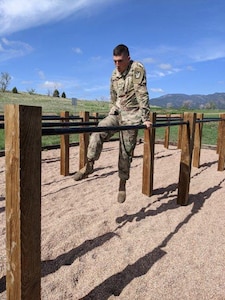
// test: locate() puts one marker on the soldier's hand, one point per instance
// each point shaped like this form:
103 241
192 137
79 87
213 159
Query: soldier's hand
148 124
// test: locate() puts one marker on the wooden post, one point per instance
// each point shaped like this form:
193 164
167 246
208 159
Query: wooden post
95 114
219 136
64 147
188 132
221 148
167 133
179 138
148 158
197 141
23 201
83 142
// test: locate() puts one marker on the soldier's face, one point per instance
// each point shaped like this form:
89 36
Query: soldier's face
121 62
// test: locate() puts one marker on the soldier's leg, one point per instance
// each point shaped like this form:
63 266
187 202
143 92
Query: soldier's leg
98 138
128 141
95 146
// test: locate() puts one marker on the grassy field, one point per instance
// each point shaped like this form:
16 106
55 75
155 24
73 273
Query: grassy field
53 105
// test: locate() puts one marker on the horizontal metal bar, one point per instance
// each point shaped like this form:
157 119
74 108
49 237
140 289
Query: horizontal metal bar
67 124
209 120
61 118
169 120
60 131
53 118
96 118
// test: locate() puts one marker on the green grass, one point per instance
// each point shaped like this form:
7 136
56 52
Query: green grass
53 105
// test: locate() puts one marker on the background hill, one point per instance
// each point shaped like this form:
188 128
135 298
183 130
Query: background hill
56 104
211 101
52 105
173 103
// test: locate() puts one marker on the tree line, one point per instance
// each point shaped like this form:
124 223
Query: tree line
5 79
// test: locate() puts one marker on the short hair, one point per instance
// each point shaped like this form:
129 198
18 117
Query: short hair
121 49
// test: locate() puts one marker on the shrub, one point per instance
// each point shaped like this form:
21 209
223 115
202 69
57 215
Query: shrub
63 95
55 93
4 81
14 90
31 91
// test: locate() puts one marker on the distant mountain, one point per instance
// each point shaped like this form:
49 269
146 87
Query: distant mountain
216 100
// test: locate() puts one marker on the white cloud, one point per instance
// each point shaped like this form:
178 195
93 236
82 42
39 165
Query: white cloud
96 58
157 90
41 74
16 15
12 49
156 73
165 66
148 60
190 68
206 50
51 85
97 88
77 50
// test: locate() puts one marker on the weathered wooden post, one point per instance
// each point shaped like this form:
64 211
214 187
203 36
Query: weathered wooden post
148 158
64 147
95 115
83 141
197 141
179 137
23 201
221 148
188 132
219 136
167 133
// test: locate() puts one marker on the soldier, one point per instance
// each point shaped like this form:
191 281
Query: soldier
130 106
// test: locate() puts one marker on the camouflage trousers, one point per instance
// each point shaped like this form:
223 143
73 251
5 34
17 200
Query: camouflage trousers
127 144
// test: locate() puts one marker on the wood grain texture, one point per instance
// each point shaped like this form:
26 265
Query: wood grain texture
23 201
83 142
64 147
148 158
188 132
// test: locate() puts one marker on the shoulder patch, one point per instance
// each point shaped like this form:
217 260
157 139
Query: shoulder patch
138 75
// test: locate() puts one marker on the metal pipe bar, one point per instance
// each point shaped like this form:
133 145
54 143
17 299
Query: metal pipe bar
168 119
60 131
60 118
209 120
96 118
67 124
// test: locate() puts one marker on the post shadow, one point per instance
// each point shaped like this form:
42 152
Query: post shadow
115 284
65 259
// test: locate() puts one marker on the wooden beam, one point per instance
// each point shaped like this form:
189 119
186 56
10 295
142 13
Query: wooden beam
167 133
179 137
95 114
186 158
23 201
219 136
64 147
148 158
197 141
83 142
221 149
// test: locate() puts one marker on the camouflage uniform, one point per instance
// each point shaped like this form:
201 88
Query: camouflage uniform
130 106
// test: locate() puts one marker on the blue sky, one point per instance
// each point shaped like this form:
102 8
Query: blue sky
67 44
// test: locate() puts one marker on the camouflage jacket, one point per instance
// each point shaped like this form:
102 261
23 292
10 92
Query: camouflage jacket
129 95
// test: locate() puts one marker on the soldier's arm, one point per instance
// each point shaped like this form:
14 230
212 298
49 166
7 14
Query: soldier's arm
141 92
113 98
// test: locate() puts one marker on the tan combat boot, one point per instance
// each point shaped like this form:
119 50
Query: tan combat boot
85 171
122 191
